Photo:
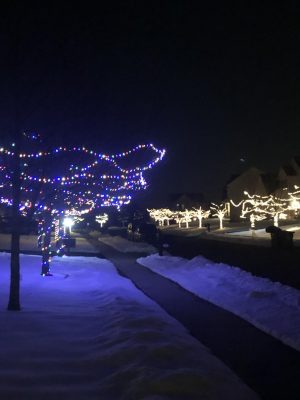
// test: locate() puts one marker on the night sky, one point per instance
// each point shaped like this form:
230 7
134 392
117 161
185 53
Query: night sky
217 86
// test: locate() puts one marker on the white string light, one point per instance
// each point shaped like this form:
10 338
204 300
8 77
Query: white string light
219 211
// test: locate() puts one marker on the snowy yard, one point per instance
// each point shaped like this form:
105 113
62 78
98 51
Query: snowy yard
272 307
88 333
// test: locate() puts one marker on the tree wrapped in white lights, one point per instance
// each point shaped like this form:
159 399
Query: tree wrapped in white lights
200 214
294 200
220 211
161 215
184 217
102 219
179 218
254 217
258 208
188 216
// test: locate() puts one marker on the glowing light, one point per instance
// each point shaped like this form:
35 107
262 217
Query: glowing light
68 223
219 211
200 214
164 215
184 217
99 181
161 215
102 219
258 208
294 200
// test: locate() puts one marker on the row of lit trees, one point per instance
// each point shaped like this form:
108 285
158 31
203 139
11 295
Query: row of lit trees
164 215
258 208
254 207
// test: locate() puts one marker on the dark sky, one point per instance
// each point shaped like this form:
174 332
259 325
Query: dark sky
211 84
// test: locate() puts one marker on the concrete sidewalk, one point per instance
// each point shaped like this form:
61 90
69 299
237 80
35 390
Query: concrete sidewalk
269 367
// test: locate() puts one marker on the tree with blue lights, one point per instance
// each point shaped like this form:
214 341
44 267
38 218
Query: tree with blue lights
65 181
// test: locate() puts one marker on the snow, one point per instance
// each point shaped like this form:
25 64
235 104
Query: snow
262 234
270 306
88 333
258 232
126 246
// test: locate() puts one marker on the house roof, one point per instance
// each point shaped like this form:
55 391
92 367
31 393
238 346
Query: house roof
289 170
249 171
270 182
297 159
232 178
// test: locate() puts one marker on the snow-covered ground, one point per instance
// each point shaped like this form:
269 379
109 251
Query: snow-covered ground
272 307
88 333
262 234
126 246
251 233
232 232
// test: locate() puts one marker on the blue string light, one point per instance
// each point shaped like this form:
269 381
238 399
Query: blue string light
80 186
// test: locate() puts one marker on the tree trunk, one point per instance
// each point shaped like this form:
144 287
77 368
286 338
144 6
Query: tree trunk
46 246
14 294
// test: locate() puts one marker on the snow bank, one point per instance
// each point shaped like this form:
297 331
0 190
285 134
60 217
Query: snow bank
272 307
88 333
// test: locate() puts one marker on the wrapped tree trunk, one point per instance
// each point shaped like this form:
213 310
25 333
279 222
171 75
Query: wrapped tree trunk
46 246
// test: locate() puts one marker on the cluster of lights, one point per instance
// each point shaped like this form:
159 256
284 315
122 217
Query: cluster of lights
77 191
101 219
88 176
163 216
220 211
294 200
184 217
46 247
258 208
200 214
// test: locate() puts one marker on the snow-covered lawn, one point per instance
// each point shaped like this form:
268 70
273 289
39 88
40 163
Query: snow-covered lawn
272 307
261 233
127 246
88 333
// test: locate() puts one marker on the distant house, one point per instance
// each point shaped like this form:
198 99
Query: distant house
182 201
289 174
255 181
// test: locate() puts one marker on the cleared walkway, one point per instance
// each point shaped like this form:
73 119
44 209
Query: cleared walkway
269 367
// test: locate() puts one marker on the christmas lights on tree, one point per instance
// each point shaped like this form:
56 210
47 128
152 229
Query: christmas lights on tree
102 219
258 208
185 217
164 215
200 214
161 215
219 211
69 182
294 200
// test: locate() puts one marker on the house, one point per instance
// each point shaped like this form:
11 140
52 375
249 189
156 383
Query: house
289 174
253 181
